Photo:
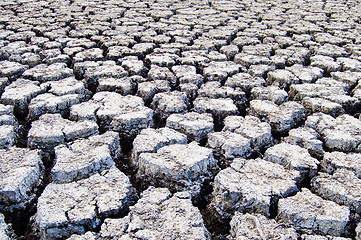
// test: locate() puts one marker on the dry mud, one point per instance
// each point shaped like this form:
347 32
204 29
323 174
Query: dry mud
184 119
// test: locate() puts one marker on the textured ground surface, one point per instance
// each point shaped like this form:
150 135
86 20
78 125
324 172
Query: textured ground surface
183 119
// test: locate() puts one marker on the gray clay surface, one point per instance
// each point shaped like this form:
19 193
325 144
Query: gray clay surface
180 119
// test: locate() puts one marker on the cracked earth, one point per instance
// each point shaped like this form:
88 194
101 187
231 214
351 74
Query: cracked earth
183 119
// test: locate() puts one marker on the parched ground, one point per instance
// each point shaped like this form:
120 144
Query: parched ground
185 119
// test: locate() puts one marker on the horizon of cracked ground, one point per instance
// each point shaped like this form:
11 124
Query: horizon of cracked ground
184 119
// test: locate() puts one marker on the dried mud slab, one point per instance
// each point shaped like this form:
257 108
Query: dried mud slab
158 214
252 186
281 78
219 108
19 94
309 213
339 134
180 167
245 81
49 103
22 173
341 187
252 128
9 69
44 72
326 95
213 89
124 114
195 125
282 118
306 138
150 140
51 130
270 93
124 86
6 233
8 126
67 86
339 160
85 157
174 216
257 226
167 103
7 136
147 90
229 145
65 209
293 157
